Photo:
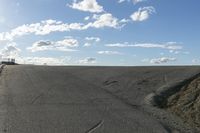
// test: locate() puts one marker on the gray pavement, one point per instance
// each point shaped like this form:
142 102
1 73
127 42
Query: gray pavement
42 99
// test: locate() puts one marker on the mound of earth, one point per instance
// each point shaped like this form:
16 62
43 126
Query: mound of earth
186 103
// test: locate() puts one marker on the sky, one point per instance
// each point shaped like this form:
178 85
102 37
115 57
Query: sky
100 32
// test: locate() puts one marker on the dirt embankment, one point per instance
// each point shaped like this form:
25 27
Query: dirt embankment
186 103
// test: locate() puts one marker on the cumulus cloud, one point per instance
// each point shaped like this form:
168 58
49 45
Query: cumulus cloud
10 51
109 52
43 43
105 20
63 45
87 6
162 60
167 45
143 13
68 42
48 26
42 28
88 60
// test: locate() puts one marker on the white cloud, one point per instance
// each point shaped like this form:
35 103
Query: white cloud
109 52
96 39
87 44
42 28
143 13
196 61
124 20
91 40
105 20
44 60
162 60
63 45
179 52
87 6
68 42
87 18
121 1
134 1
88 60
163 46
167 45
10 51
121 45
138 1
48 26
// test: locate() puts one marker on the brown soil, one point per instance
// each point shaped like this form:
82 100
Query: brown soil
186 103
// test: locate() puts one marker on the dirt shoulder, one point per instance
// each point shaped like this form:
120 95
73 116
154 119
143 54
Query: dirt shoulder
186 103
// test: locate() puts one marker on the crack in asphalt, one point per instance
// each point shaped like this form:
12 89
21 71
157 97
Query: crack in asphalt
95 127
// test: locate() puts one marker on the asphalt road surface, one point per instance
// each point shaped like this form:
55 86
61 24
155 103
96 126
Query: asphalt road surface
42 99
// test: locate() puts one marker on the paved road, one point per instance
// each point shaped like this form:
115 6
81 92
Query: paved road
38 99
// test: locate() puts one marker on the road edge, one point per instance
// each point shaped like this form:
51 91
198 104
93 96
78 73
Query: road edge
156 101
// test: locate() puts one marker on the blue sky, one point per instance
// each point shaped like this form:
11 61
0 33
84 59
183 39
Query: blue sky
100 32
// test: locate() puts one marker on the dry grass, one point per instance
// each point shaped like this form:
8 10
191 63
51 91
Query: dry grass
186 103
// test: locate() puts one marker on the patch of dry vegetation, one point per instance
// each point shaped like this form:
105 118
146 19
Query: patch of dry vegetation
186 103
